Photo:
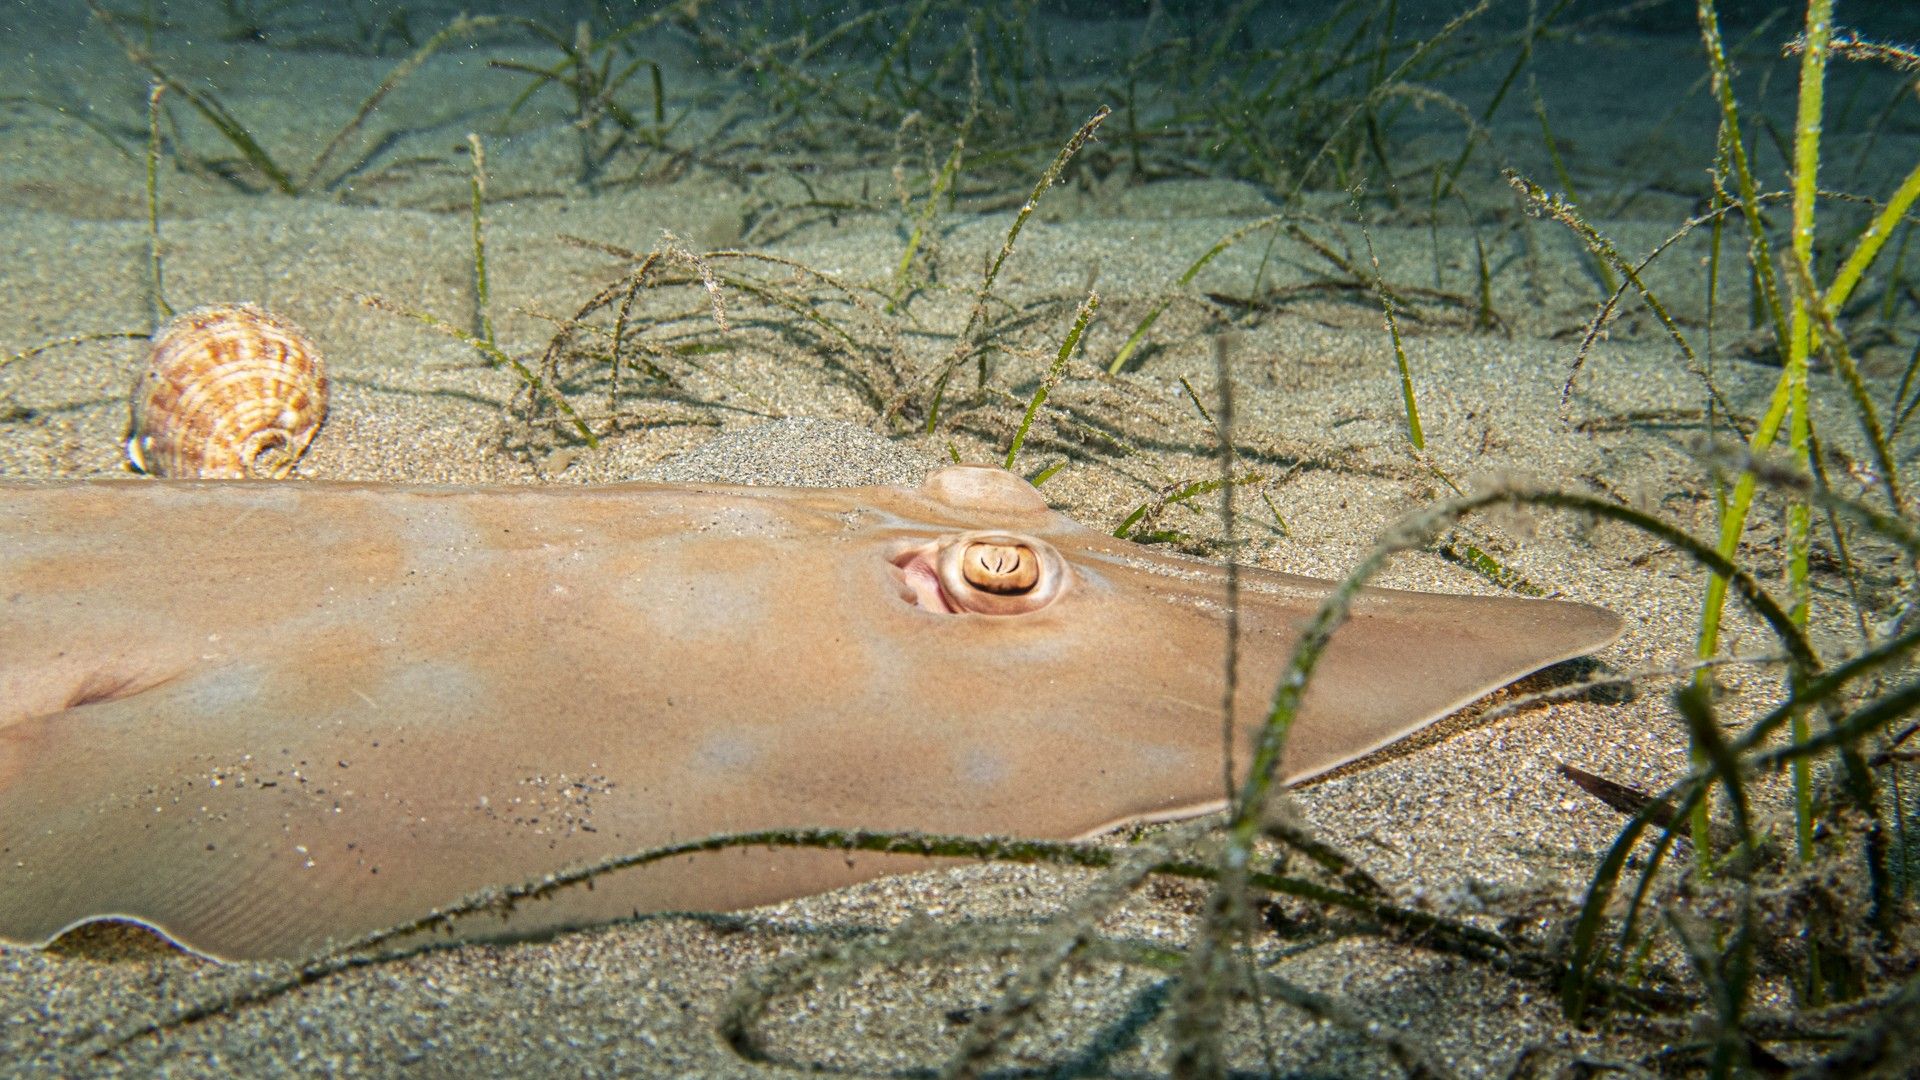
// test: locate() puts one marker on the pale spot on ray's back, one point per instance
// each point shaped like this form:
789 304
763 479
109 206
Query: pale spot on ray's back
444 685
728 752
984 767
226 688
705 593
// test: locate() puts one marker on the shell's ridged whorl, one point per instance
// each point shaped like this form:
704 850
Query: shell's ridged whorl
230 392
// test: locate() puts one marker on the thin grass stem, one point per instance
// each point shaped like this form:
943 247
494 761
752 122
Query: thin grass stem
73 339
1186 278
463 25
498 356
1059 366
477 185
1867 246
1414 434
156 287
977 317
216 114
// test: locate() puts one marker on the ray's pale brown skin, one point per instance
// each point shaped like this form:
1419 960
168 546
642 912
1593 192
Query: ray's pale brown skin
258 717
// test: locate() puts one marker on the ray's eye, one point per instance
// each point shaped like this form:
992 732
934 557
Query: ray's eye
983 573
1005 569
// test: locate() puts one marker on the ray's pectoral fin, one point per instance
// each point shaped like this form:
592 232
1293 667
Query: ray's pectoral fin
35 705
167 807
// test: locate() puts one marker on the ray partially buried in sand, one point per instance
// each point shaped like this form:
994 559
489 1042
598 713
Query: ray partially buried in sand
262 717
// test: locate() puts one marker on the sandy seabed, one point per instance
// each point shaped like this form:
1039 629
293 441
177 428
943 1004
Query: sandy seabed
1460 823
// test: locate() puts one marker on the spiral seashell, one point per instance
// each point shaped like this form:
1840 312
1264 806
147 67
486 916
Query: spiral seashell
230 391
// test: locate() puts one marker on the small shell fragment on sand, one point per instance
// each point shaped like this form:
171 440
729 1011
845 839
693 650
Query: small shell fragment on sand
230 391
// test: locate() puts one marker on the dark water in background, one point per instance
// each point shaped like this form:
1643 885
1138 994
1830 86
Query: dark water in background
1402 111
1247 89
1408 110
